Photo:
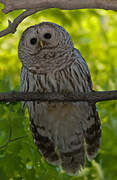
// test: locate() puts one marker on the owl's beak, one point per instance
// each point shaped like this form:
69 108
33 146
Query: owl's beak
41 43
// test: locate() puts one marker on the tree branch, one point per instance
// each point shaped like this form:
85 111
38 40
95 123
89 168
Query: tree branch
11 5
93 97
13 25
38 5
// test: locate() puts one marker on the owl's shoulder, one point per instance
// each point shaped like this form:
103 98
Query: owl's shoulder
80 61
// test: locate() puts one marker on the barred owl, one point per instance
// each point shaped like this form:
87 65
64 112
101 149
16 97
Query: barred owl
64 132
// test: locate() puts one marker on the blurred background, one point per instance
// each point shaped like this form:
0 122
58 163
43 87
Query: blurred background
94 33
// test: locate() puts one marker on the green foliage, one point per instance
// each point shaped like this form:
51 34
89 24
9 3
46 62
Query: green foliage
94 33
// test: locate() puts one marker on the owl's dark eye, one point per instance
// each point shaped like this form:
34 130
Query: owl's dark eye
47 35
33 41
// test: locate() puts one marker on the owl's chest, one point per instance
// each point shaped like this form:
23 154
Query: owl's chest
61 82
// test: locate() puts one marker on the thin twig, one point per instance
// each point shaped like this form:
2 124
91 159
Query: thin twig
13 25
94 96
11 140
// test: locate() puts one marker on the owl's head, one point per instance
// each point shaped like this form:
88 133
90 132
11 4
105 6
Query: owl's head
40 40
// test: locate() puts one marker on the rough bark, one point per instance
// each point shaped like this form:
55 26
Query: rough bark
11 5
93 97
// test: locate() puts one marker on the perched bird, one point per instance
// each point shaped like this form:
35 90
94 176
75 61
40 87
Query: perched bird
63 132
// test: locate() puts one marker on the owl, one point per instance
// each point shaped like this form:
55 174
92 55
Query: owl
64 132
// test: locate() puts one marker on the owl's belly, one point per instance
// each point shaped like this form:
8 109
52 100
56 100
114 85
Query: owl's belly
58 120
59 116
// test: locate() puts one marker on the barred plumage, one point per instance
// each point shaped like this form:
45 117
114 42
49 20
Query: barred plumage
60 130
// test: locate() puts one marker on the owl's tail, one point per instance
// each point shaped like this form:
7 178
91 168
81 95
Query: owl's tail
72 162
71 150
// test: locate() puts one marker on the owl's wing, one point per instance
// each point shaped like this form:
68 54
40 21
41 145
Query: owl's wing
24 83
92 126
46 146
84 66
